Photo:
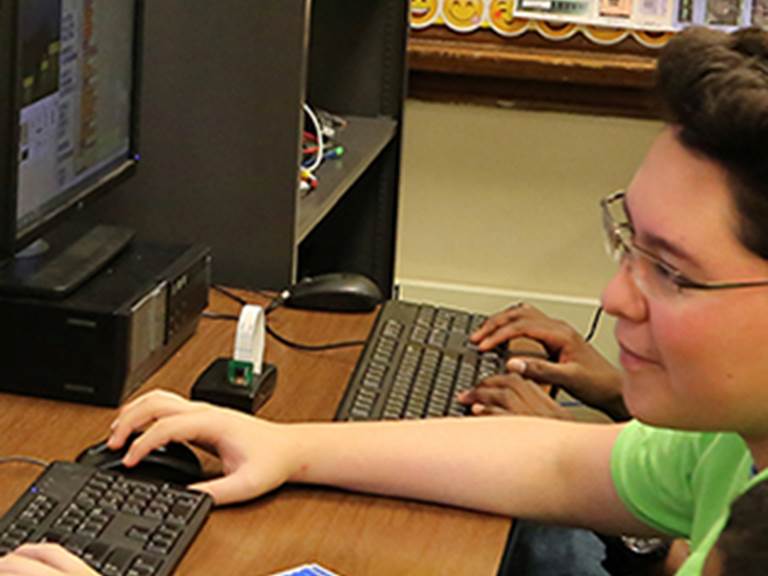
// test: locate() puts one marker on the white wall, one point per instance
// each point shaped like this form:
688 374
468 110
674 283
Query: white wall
501 204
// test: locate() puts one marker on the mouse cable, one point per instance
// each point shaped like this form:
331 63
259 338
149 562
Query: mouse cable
23 460
593 324
276 302
313 347
220 316
239 299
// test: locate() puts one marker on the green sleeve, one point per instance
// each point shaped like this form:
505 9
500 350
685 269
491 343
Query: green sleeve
652 470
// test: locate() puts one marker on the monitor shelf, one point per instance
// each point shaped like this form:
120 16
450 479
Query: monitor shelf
363 140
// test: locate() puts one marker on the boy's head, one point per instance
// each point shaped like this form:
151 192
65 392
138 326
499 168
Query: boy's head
742 548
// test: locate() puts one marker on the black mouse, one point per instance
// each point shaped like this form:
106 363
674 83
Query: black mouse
175 462
335 292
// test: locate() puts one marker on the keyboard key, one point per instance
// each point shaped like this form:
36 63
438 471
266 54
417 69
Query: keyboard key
117 562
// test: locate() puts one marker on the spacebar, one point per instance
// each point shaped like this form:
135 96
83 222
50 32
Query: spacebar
78 261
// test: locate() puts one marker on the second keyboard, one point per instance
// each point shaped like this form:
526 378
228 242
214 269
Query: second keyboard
417 359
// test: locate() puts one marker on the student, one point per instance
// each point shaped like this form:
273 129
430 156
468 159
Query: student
691 301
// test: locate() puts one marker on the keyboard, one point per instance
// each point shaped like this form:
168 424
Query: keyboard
118 525
417 357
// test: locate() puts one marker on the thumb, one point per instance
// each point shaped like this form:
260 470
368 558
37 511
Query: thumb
228 489
542 371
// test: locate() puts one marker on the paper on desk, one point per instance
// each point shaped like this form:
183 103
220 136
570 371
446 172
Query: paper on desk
307 570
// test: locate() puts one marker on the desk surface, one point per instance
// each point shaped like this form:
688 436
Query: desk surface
350 533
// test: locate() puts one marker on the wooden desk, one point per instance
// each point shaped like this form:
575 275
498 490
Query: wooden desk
349 533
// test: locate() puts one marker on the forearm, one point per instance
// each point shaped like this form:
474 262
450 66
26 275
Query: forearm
522 467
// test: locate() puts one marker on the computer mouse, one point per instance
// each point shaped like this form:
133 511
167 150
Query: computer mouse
174 462
336 292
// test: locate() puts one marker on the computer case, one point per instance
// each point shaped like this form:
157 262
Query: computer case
101 342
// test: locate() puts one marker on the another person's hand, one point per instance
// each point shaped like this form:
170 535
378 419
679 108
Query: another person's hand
43 560
577 366
511 394
256 456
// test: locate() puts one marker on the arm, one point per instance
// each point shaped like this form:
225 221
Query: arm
534 468
577 366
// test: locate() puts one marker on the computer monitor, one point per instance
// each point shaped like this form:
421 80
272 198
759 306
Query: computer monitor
69 88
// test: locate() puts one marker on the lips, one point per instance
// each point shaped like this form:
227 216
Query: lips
631 359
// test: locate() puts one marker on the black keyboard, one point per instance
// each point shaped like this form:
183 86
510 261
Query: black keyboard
415 361
118 525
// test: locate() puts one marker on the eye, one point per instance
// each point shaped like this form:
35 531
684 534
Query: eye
670 275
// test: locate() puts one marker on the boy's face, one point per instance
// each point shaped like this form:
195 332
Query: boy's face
714 564
692 359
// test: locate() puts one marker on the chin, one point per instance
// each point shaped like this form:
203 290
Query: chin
644 398
672 414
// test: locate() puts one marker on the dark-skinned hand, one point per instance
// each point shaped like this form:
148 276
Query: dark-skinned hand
574 364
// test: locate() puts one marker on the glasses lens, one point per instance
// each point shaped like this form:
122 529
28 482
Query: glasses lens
613 224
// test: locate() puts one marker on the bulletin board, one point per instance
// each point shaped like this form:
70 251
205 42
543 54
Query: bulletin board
594 56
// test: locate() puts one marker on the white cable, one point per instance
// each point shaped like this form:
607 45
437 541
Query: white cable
320 146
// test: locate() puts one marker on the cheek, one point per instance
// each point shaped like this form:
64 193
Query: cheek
691 346
710 353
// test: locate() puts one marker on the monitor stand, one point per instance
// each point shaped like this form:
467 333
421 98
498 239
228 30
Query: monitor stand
43 272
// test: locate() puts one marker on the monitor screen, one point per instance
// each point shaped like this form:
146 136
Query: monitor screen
72 125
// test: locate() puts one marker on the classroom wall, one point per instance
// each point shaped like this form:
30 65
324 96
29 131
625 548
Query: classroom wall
502 204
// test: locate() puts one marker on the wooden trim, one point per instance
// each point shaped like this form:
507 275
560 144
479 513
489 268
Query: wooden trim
532 72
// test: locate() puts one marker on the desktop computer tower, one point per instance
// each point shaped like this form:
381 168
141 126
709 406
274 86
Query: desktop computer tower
101 342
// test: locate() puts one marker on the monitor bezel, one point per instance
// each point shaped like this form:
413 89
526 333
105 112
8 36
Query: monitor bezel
12 239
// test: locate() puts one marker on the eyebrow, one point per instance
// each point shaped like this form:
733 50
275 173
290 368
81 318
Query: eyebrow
655 243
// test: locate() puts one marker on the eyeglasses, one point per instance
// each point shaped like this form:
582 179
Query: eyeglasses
653 276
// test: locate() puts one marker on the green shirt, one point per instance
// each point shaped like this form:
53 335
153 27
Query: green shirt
682 483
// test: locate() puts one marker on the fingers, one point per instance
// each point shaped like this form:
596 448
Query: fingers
56 557
510 394
522 321
146 409
43 560
542 371
481 402
494 322
186 426
496 395
479 409
235 487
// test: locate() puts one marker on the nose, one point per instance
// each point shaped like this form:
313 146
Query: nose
622 298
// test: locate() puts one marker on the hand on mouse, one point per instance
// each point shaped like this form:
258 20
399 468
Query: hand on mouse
579 368
256 455
43 560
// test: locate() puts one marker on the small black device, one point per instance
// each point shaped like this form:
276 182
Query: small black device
117 525
175 462
102 341
335 292
416 359
219 385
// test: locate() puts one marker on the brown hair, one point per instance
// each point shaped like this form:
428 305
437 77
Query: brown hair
743 544
714 87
